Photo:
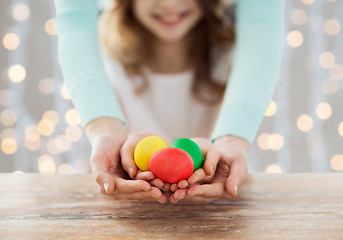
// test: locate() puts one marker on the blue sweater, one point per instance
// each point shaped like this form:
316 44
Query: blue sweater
252 80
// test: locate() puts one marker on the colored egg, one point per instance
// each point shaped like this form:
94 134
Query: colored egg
192 149
145 149
171 165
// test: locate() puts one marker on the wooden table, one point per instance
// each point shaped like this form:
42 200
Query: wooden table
269 206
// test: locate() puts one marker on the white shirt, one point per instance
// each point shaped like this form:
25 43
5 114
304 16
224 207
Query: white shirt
166 107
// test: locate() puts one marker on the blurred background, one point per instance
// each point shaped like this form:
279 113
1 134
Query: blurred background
302 130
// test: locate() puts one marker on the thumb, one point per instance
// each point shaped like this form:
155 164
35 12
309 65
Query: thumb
238 172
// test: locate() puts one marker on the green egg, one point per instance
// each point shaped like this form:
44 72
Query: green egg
192 149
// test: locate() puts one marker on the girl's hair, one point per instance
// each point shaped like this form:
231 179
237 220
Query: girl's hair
121 34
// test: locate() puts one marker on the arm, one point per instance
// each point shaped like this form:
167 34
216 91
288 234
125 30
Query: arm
255 69
79 57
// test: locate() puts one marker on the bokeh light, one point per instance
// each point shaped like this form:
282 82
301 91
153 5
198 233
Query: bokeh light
305 123
52 116
340 129
72 117
329 86
336 162
49 27
323 111
7 133
9 146
299 16
271 109
332 27
46 86
46 127
21 12
62 143
17 73
46 164
65 93
327 60
275 141
11 41
308 1
295 39
51 147
8 118
262 141
18 172
273 169
65 169
73 133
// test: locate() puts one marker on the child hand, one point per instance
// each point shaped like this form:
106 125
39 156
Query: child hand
107 136
129 165
231 172
201 175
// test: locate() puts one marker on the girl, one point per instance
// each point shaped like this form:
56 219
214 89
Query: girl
170 81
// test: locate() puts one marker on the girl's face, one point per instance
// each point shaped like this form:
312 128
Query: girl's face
168 20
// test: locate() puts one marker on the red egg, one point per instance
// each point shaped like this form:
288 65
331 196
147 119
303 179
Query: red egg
171 165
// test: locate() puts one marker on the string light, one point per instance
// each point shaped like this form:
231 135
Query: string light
49 27
46 86
20 12
72 117
299 16
9 146
327 60
323 111
336 162
295 39
8 118
46 164
17 73
11 41
65 93
305 123
271 109
273 169
340 129
332 27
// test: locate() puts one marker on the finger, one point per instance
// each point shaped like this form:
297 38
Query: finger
157 183
106 181
126 153
183 184
147 175
166 187
173 187
238 172
177 196
158 195
213 190
211 161
197 176
130 186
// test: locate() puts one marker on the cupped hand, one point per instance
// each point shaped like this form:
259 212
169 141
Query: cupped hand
129 165
202 175
230 173
107 136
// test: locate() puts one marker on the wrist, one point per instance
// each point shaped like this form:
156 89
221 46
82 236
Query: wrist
105 126
230 139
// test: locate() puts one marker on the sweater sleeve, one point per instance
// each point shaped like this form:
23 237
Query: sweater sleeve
255 68
80 61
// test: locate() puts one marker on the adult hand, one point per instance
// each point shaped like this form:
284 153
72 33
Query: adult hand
106 136
231 172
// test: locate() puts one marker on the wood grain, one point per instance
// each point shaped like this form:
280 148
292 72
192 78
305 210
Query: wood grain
268 206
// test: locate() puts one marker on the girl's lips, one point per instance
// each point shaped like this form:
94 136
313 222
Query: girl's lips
170 20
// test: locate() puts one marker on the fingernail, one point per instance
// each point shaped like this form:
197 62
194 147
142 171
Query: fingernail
236 189
106 187
130 172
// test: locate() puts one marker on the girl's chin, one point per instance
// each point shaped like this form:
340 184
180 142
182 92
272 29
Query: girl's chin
171 38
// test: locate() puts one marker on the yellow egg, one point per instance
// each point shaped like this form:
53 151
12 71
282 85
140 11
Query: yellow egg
145 149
